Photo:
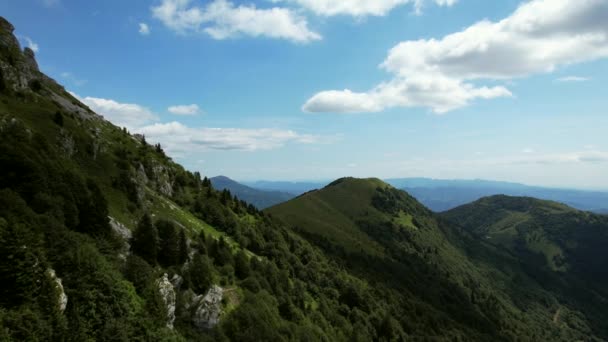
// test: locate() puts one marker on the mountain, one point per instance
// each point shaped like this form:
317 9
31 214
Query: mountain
104 237
259 198
554 235
296 188
387 237
440 195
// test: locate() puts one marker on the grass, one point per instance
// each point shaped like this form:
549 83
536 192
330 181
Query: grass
333 211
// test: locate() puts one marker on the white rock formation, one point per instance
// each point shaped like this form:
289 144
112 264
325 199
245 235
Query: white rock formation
208 308
167 293
63 298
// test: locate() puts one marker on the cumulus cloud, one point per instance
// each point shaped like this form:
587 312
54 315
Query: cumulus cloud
360 8
221 19
127 115
177 137
443 74
192 109
144 29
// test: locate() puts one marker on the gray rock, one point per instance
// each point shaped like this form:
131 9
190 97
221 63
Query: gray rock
62 302
208 308
124 233
30 59
177 281
167 293
67 143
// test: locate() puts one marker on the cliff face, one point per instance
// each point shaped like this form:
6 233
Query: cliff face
21 77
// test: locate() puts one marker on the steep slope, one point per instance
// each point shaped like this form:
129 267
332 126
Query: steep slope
259 198
386 236
104 237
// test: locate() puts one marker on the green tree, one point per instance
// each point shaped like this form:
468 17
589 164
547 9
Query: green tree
201 273
138 272
145 240
169 252
241 265
183 247
58 119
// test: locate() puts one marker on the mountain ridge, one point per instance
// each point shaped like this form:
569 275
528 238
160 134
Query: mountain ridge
261 199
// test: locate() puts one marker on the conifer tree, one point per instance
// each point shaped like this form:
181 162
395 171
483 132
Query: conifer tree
145 240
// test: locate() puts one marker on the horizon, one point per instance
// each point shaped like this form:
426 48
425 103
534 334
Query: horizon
319 181
308 102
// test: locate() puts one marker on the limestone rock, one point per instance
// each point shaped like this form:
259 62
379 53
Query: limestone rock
208 308
124 233
63 298
167 293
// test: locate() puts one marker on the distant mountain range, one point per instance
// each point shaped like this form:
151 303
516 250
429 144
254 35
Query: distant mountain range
261 199
441 195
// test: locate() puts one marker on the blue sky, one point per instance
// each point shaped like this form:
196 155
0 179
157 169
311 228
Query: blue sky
319 89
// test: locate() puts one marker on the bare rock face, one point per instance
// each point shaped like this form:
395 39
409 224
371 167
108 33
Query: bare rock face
124 233
208 308
62 302
30 59
162 180
167 293
67 143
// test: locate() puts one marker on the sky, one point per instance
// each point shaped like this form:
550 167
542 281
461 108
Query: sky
320 89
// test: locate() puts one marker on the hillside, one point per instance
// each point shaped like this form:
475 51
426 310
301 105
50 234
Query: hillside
376 231
259 198
104 237
554 235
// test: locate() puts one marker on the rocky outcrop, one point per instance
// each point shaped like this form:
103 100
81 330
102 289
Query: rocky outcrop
167 293
162 179
62 301
124 232
208 308
67 143
30 60
177 281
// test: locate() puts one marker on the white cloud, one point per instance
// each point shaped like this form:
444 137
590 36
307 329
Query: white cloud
127 115
442 74
192 109
360 8
221 19
176 137
441 94
144 29
573 79
31 44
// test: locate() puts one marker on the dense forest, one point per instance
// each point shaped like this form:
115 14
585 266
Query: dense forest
103 237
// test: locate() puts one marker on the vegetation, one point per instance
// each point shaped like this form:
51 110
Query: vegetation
365 262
